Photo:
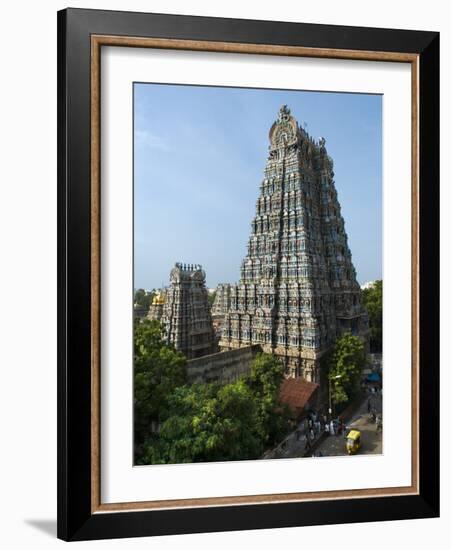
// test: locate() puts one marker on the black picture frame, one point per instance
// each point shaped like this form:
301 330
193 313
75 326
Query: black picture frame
75 518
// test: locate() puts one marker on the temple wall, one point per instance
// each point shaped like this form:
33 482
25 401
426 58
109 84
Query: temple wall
224 367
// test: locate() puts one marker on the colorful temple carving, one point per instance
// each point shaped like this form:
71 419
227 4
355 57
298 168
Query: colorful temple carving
298 287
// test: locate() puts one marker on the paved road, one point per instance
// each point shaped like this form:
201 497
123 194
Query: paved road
371 438
294 444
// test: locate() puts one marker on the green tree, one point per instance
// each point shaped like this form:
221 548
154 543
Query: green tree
211 297
212 422
158 370
207 422
265 379
143 297
345 368
372 299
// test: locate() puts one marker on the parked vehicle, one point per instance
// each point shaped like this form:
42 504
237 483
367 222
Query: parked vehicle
353 442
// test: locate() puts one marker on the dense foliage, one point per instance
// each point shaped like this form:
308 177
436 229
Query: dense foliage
207 422
158 370
201 422
346 362
143 298
211 297
372 299
265 379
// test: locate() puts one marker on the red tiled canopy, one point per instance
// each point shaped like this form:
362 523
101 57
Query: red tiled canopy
296 393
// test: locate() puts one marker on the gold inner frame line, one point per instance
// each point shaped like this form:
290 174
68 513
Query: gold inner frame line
97 41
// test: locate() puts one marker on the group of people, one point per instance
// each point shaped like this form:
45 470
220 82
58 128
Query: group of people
372 389
372 413
316 424
379 423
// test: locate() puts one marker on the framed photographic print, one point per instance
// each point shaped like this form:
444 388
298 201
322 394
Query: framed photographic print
248 274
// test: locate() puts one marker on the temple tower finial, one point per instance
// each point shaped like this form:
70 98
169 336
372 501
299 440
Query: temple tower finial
284 112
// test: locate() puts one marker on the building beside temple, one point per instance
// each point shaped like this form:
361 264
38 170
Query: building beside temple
186 317
298 289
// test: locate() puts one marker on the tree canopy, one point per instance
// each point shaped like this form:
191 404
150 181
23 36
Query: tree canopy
143 297
345 367
372 299
209 421
211 297
265 379
158 370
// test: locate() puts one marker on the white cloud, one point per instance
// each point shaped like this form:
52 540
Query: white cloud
145 138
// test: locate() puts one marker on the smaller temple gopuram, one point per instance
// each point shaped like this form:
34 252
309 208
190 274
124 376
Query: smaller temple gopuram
186 317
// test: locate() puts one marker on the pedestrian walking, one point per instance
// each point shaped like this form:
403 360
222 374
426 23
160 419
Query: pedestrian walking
331 428
379 423
312 434
326 428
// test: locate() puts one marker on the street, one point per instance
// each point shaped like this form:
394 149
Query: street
294 445
371 438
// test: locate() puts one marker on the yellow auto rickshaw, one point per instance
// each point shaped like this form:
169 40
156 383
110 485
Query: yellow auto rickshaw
353 442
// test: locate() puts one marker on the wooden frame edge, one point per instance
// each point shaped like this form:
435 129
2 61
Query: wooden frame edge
95 276
255 499
262 49
415 270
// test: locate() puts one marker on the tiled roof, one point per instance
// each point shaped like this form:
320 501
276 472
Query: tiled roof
296 393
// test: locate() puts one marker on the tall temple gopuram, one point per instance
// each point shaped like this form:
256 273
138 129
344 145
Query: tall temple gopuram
298 288
185 316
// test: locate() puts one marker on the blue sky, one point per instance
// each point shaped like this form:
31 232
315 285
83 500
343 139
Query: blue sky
199 157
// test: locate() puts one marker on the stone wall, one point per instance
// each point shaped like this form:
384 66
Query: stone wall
224 367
